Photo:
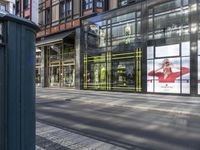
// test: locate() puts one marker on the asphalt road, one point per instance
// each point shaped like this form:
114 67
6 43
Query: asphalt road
128 121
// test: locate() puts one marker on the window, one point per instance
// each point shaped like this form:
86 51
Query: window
112 4
65 9
123 2
48 16
62 10
68 8
76 8
88 4
2 6
99 3
17 7
26 4
55 14
177 15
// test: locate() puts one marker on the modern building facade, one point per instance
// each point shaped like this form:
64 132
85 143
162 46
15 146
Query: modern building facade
142 46
146 46
7 5
58 42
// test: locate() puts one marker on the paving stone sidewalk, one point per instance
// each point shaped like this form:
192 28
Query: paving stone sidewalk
52 138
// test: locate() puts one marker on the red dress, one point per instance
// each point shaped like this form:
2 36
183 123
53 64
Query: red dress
171 77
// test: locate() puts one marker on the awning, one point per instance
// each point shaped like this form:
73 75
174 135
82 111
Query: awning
54 38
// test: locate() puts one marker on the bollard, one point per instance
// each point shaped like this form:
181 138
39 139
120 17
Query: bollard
17 83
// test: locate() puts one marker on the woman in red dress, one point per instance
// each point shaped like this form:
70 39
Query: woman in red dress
167 75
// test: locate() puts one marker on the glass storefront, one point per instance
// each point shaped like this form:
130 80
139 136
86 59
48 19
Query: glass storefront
61 65
164 34
113 71
168 51
112 61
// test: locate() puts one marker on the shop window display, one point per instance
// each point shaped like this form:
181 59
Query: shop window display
166 72
125 69
114 71
95 72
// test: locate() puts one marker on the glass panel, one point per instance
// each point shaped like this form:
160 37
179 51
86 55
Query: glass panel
55 14
166 51
62 10
167 6
68 8
38 75
76 7
150 52
185 47
185 75
123 73
112 4
150 79
54 75
68 76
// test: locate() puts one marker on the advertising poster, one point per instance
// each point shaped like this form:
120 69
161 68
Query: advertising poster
167 74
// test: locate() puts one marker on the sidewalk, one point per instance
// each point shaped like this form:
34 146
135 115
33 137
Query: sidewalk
164 103
52 138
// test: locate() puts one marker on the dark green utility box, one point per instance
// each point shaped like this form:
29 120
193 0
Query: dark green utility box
17 83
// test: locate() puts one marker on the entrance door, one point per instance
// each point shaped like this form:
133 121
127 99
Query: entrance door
54 75
68 79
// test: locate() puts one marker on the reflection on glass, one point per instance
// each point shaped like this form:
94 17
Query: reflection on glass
96 72
170 11
38 75
68 76
54 75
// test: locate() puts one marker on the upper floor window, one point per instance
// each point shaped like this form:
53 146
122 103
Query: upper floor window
48 16
65 8
26 4
123 2
88 4
17 7
2 7
68 8
99 3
